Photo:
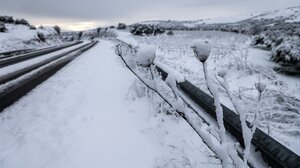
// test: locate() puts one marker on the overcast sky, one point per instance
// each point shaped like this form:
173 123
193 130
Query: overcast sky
83 14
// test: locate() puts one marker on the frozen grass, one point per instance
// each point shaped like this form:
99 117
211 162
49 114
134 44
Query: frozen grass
280 101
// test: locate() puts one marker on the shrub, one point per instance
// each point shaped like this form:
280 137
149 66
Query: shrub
41 37
2 28
170 33
7 19
57 29
108 33
288 52
98 30
79 35
141 30
254 30
121 26
22 22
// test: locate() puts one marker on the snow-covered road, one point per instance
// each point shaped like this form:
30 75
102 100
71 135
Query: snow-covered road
87 115
78 118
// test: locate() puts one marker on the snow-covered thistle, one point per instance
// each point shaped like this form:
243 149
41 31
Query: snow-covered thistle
146 55
202 51
260 87
248 131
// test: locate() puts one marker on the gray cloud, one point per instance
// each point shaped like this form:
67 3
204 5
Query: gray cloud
111 11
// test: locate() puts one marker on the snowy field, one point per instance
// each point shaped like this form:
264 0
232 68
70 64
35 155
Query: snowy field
245 66
94 113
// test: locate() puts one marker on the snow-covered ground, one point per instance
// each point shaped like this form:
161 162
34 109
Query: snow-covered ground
280 102
93 113
22 37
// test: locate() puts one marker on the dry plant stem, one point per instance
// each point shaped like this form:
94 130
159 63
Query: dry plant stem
245 128
219 112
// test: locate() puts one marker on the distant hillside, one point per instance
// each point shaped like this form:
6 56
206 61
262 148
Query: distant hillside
291 14
278 30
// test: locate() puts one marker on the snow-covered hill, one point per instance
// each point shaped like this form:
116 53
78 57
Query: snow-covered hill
23 36
291 14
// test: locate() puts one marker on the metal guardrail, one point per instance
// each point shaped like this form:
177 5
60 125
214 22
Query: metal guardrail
13 93
18 58
16 74
14 52
273 152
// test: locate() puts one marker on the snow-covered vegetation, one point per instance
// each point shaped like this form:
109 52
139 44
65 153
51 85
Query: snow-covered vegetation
269 30
244 66
146 55
19 34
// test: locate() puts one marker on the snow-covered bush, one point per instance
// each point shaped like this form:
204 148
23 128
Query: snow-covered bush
79 35
142 30
22 22
7 19
108 33
98 30
254 30
146 55
288 52
57 29
41 37
170 33
121 26
2 28
201 50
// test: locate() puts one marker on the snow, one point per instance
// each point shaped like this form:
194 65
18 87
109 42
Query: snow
291 14
280 100
124 36
21 37
227 19
89 115
146 55
201 49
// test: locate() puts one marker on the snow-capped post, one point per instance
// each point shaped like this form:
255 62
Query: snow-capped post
202 51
